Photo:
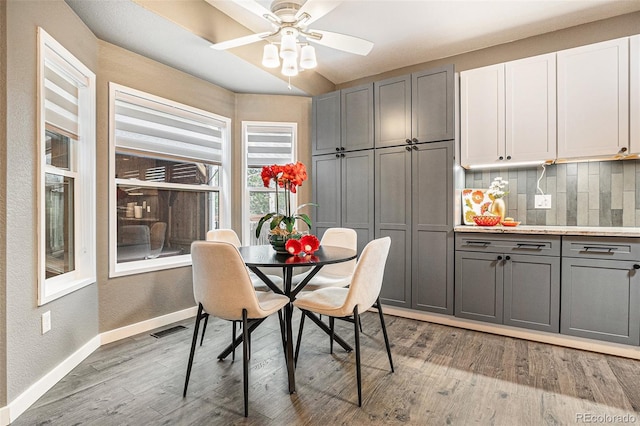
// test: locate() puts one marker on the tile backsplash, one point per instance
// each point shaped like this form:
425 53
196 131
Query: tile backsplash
598 193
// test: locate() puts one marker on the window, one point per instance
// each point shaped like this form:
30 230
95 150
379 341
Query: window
169 180
66 190
264 144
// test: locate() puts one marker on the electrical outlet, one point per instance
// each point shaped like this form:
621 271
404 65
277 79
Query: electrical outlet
543 202
46 322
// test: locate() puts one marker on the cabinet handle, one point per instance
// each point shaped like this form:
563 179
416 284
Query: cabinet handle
501 158
342 148
623 149
527 245
508 157
414 140
477 243
337 155
598 249
408 148
636 266
408 140
337 149
508 258
342 155
415 148
499 257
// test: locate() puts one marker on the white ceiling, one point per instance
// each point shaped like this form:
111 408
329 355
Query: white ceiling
404 32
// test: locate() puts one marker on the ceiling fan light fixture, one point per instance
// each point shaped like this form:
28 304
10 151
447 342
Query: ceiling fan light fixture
289 67
289 46
308 57
270 57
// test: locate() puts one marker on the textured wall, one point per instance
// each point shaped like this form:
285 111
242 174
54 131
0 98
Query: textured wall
599 193
74 317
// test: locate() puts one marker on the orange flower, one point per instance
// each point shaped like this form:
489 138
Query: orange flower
477 196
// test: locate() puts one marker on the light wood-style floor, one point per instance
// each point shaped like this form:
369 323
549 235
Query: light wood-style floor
443 375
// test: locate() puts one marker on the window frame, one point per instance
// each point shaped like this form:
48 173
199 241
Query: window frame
224 188
82 169
246 229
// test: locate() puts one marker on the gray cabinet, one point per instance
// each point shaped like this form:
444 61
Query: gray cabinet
601 289
509 280
343 190
415 108
413 206
343 120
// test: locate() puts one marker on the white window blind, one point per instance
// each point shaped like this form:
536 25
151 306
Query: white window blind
61 82
144 125
268 145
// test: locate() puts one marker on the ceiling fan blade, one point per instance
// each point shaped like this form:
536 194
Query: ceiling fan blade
316 9
256 8
240 41
343 42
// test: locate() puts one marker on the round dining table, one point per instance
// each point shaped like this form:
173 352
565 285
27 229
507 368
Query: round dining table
264 256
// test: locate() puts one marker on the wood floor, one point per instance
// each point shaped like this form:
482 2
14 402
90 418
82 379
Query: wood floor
443 375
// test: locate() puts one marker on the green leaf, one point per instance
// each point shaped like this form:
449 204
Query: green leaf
305 218
263 219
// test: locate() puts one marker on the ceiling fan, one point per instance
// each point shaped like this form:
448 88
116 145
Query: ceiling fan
290 20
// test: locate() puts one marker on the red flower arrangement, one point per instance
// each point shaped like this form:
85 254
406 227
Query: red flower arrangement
307 244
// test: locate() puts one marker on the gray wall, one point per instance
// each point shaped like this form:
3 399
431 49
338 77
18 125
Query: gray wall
3 203
598 193
74 317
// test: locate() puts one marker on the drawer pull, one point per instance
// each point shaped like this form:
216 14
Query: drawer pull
636 266
597 249
478 243
530 245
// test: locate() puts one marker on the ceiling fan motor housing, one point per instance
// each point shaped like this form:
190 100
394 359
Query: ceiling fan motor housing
286 10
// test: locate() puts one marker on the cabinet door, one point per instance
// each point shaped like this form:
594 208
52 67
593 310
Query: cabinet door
326 193
392 108
479 286
593 99
357 117
601 300
531 109
432 227
634 137
482 116
393 219
326 123
432 100
357 194
532 292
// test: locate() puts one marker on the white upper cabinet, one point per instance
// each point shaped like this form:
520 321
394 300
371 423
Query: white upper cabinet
593 100
508 113
531 109
634 142
482 114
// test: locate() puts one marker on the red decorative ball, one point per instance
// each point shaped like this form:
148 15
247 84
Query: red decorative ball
293 246
309 243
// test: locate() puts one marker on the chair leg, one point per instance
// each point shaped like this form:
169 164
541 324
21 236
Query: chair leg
295 357
282 331
233 338
204 328
245 361
384 332
356 330
360 322
194 340
331 326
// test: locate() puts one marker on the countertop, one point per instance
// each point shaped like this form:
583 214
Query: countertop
596 231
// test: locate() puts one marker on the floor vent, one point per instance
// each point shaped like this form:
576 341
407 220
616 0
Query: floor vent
166 332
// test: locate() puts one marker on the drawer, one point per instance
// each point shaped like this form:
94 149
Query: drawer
548 245
601 248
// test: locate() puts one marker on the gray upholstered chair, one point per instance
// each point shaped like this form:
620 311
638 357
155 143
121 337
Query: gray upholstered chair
347 303
222 288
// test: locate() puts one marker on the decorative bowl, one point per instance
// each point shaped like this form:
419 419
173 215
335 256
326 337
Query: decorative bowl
510 223
486 220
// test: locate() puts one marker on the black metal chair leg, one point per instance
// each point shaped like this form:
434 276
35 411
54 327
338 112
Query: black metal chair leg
356 330
233 338
204 328
331 326
384 332
245 361
295 357
360 322
194 340
282 332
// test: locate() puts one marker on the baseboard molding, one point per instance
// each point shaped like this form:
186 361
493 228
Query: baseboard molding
39 388
607 348
144 326
19 405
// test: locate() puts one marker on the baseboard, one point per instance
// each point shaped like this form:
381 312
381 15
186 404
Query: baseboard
607 348
19 405
144 326
39 388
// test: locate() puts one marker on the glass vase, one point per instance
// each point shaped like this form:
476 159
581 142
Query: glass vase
279 241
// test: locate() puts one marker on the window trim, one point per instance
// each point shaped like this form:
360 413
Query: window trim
224 192
246 230
83 160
